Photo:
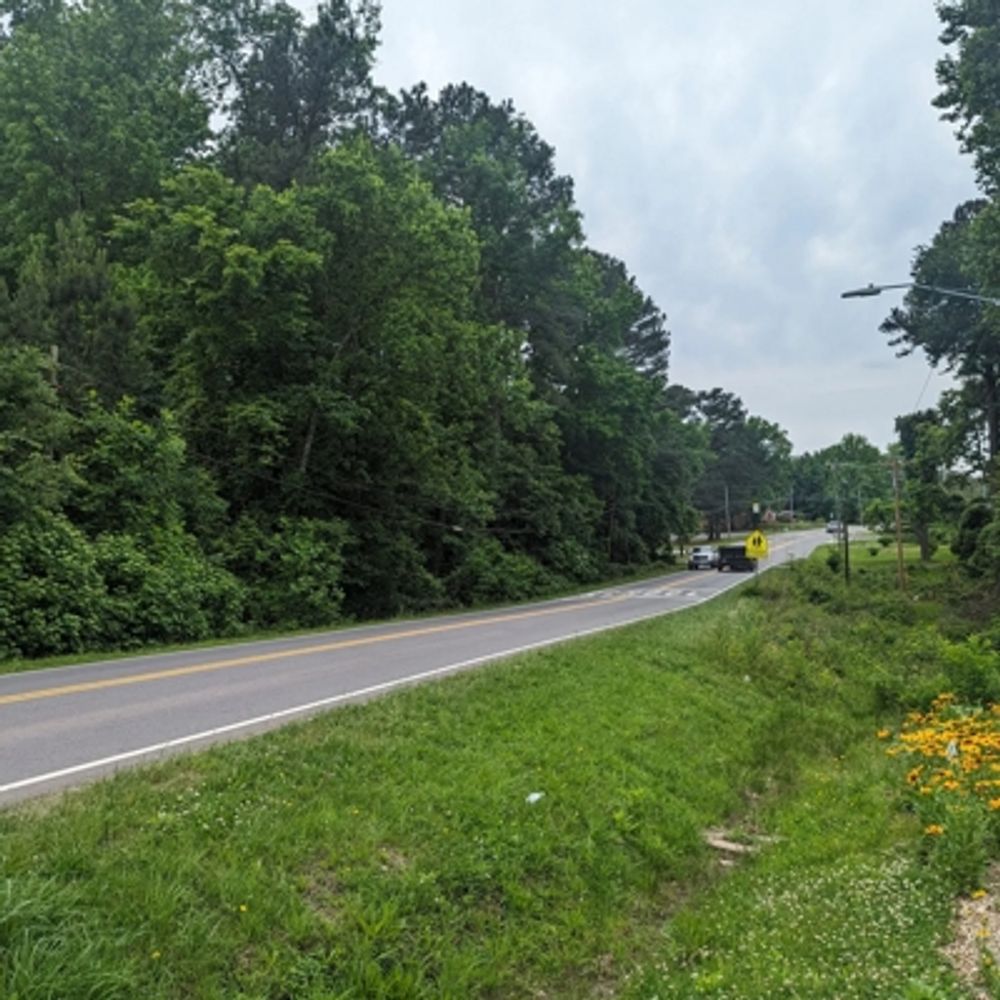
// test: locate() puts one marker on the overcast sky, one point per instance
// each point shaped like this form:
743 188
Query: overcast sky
747 161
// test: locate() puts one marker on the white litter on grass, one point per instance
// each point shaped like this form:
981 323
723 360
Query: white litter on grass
534 797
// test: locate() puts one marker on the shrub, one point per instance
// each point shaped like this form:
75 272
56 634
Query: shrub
985 559
972 668
293 573
974 518
491 573
165 590
572 560
51 592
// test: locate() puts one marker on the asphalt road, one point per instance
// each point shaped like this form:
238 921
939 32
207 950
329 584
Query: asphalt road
65 726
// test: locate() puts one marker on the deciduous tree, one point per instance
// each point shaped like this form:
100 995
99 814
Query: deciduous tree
970 81
956 332
97 105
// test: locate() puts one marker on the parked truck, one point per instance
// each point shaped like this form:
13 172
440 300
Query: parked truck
735 558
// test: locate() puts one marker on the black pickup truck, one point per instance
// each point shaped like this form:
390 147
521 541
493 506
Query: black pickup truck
735 557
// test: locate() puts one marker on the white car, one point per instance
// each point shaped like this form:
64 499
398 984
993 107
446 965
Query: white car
703 557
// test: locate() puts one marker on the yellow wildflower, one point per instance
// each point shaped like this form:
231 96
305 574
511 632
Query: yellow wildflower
934 830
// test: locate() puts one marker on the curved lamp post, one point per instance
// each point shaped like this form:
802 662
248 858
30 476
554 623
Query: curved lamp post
869 290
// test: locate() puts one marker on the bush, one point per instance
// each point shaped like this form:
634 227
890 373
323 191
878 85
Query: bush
293 573
922 663
976 516
972 669
60 593
164 591
490 573
51 592
571 560
986 558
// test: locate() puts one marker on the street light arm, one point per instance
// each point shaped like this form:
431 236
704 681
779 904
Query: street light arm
868 290
957 294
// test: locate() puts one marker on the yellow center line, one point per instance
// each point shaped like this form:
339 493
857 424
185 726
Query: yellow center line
284 654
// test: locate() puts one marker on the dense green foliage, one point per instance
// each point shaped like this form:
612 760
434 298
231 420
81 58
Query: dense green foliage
970 81
277 347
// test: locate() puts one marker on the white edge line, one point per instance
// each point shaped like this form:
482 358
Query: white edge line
208 734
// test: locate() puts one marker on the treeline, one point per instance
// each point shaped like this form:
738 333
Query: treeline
280 348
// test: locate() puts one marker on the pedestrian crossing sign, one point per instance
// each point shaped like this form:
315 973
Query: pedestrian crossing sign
756 545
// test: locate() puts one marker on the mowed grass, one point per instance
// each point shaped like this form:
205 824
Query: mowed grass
534 829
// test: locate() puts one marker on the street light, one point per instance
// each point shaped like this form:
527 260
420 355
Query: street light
864 293
869 290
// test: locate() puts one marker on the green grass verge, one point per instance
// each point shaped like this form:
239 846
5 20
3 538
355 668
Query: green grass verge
391 850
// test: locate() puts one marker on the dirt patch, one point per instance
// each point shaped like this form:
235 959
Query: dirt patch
977 934
393 860
321 893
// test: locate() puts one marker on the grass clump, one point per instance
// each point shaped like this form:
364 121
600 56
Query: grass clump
535 828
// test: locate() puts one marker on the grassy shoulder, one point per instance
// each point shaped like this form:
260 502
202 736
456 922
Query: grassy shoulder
535 828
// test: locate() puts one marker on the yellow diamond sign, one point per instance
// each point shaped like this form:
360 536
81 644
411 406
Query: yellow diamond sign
756 545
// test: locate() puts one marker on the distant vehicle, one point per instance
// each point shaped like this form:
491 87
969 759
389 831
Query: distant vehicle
703 557
834 527
735 558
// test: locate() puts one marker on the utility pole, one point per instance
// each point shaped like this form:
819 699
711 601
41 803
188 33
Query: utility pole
842 524
729 523
901 569
847 553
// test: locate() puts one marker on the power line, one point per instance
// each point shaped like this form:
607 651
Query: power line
927 382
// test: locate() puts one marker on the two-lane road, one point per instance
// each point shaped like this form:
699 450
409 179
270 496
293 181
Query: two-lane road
68 725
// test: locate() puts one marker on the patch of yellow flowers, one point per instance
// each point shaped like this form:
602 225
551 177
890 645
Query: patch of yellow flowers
953 750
